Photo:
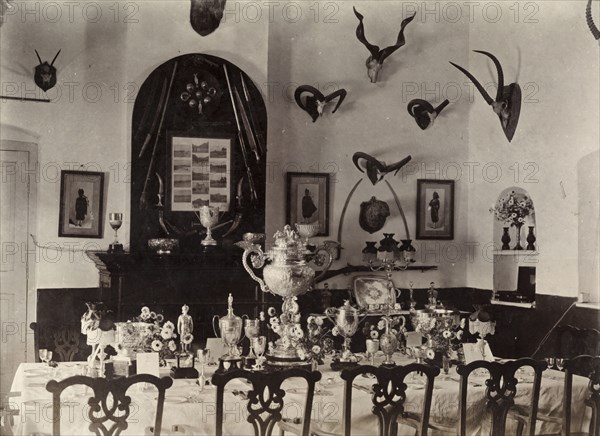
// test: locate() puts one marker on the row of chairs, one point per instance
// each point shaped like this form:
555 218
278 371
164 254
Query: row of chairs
266 398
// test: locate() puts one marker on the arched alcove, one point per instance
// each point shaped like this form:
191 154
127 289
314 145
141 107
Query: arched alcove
171 111
515 258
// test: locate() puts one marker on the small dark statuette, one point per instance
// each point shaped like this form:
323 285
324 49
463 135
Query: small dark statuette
373 214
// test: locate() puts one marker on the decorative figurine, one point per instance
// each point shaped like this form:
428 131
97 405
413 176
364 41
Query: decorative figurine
432 296
314 104
424 113
374 62
185 327
376 169
507 104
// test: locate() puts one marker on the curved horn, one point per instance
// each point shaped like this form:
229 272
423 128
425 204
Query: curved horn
590 21
38 55
55 57
399 42
483 92
398 165
360 34
441 107
341 93
311 90
373 166
417 102
500 90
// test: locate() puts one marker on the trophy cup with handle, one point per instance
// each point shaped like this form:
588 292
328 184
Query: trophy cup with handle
346 320
230 327
209 217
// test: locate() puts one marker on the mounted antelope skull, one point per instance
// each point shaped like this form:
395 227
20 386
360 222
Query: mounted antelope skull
375 61
315 102
424 113
507 104
590 21
45 74
376 169
205 15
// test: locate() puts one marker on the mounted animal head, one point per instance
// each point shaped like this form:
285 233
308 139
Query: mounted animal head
315 102
45 74
374 62
205 15
590 21
377 169
424 113
507 104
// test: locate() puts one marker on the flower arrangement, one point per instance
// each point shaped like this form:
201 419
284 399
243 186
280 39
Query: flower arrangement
444 338
513 208
315 346
146 333
287 327
396 327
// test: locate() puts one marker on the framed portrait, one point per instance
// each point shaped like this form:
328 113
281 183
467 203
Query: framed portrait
199 172
81 204
435 209
308 200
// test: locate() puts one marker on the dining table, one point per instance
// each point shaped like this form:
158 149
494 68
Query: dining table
190 409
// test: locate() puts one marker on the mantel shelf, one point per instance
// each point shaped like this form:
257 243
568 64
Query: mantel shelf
515 253
364 268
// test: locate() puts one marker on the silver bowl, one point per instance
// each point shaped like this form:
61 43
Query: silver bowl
163 245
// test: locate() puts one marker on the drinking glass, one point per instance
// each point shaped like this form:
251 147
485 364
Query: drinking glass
560 363
550 362
203 356
115 220
43 353
372 348
259 345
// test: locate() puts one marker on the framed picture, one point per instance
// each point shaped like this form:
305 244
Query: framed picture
435 209
199 172
308 200
81 204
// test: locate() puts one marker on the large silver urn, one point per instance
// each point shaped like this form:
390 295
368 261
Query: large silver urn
286 273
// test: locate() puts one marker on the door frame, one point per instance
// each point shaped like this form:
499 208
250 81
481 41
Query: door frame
33 178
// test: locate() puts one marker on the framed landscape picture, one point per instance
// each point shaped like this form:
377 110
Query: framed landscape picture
308 200
199 172
435 209
81 204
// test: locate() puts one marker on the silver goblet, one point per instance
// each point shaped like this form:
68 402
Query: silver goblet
252 329
259 344
209 217
115 220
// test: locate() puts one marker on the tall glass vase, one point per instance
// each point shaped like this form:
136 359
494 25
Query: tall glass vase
518 244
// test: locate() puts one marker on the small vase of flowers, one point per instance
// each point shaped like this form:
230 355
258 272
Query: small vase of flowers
512 209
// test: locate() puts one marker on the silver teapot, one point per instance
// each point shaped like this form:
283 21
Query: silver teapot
230 327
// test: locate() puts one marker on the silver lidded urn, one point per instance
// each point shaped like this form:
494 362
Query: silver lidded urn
230 327
286 273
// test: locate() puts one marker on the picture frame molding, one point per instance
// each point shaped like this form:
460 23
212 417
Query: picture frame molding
63 214
422 210
288 211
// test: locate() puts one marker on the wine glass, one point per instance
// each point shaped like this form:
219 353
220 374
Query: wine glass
259 344
203 355
550 361
251 328
115 220
43 353
372 348
560 363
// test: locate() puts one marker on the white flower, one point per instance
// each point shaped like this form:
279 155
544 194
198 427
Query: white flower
310 319
169 325
319 321
463 322
172 345
261 315
316 349
301 354
430 354
447 334
274 321
160 317
187 338
381 324
271 311
157 345
374 334
459 335
335 331
166 334
153 315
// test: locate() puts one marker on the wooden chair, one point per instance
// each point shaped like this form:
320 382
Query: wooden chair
586 366
113 412
574 341
266 397
7 414
66 342
389 396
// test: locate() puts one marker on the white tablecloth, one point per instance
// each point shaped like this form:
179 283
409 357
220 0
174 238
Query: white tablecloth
194 410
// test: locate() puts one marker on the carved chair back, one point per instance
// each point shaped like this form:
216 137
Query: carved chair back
66 342
110 406
586 366
266 398
574 341
389 396
501 388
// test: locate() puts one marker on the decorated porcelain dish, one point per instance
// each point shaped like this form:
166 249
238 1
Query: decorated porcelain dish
373 293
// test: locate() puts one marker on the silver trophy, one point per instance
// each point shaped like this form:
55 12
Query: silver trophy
346 320
231 331
209 218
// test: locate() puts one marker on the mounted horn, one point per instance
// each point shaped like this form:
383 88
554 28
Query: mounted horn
507 104
377 169
590 21
424 113
374 62
45 73
315 102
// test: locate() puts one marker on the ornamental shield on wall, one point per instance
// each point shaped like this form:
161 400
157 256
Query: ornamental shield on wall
373 214
45 73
